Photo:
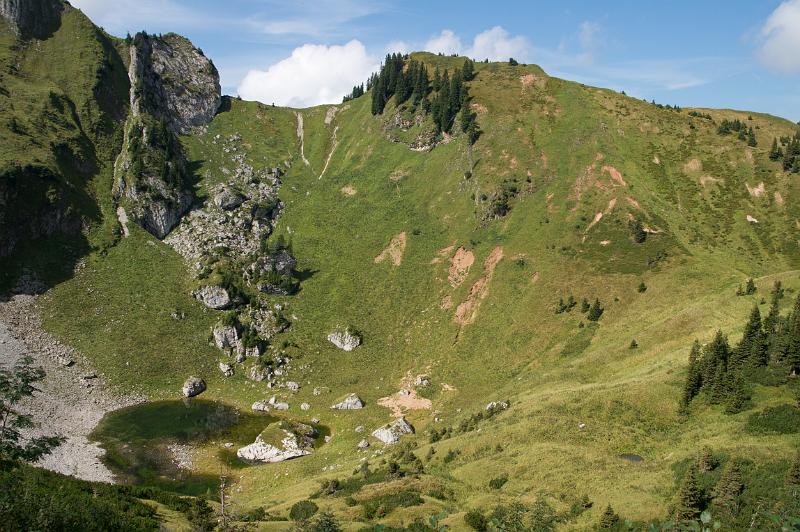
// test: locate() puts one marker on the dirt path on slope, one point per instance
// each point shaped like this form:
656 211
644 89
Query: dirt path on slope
301 135
330 153
460 265
71 401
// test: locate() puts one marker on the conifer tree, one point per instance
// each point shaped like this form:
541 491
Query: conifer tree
609 519
715 355
718 389
775 152
736 394
705 460
750 287
793 339
595 311
770 325
751 350
694 376
793 477
468 70
689 498
728 489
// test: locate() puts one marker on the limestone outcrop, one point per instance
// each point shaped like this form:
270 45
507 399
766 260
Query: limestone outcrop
279 442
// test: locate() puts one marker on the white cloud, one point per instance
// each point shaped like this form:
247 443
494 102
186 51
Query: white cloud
497 45
446 43
314 74
781 48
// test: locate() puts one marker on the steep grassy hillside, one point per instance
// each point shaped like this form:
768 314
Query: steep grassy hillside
451 263
61 100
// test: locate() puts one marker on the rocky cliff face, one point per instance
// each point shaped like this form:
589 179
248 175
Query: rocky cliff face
174 89
32 18
177 83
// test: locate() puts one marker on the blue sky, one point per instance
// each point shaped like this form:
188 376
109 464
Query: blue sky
742 54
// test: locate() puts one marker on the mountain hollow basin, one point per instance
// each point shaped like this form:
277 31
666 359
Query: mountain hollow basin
182 444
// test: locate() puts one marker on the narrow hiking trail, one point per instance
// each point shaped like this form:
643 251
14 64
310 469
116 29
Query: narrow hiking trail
330 153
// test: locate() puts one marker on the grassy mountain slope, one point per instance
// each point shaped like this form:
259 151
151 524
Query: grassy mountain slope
572 165
61 100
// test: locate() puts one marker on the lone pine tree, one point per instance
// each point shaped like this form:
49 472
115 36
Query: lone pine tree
689 498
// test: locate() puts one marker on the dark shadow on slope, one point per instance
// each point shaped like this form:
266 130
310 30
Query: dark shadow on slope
225 105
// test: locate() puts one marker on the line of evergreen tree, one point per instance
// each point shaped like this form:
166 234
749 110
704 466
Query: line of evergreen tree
357 92
444 96
746 133
401 79
722 373
787 151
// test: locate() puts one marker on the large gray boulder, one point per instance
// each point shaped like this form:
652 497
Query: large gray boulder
259 373
279 442
260 406
496 406
226 369
193 386
214 297
344 339
226 336
392 432
351 402
228 198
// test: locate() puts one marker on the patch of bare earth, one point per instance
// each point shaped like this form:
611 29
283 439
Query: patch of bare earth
529 80
694 165
441 254
394 251
467 311
460 264
778 198
615 175
405 399
706 180
756 191
447 303
349 190
330 115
